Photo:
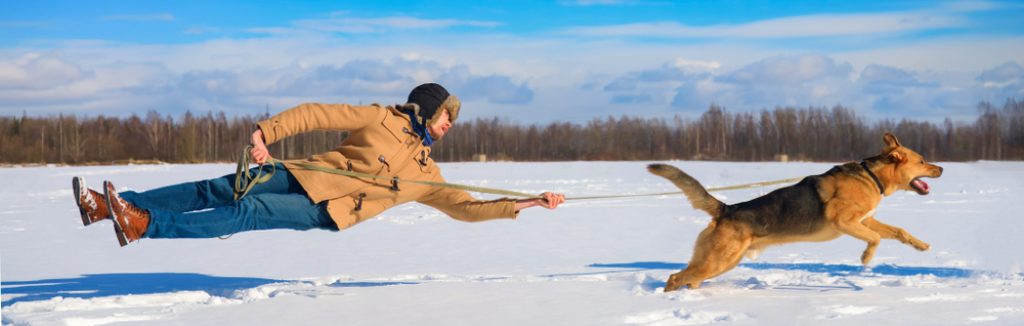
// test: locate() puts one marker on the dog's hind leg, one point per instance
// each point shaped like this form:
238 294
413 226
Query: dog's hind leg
701 249
892 232
718 250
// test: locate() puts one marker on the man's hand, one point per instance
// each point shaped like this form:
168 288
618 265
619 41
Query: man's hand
259 151
549 201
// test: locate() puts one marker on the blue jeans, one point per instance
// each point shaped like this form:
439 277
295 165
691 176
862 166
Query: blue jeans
206 209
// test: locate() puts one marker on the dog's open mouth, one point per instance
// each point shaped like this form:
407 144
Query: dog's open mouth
920 186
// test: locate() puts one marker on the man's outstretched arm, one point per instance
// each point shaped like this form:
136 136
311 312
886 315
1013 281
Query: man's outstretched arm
550 201
309 117
317 116
461 206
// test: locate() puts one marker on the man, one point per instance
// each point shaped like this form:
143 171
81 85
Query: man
391 141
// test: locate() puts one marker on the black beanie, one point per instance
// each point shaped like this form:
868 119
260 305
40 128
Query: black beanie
429 97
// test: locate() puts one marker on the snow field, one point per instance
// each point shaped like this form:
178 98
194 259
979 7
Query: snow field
598 262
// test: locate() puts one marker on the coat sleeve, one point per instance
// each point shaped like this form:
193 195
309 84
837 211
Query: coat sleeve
461 206
317 116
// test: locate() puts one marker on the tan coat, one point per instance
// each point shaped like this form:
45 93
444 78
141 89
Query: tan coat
380 142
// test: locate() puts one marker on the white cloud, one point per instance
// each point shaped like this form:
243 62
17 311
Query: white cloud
695 66
1002 82
960 53
341 23
496 73
669 75
356 25
50 84
1005 73
659 85
38 71
889 75
495 88
787 27
631 99
493 75
788 70
884 80
59 84
815 80
364 77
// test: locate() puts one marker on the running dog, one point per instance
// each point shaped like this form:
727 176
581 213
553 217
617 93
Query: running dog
818 208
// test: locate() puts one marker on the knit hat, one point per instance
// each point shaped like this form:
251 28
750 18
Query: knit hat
430 97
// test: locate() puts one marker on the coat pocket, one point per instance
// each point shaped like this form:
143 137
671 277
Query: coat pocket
397 127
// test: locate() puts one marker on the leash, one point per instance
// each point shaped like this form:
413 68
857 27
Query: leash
714 189
245 181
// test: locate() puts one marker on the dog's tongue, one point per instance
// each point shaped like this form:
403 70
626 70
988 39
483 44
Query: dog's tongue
919 184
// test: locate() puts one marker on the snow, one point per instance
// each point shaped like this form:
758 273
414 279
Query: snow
594 262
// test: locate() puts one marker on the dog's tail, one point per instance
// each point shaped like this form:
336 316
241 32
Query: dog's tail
694 191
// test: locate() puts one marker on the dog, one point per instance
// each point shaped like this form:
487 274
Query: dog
818 208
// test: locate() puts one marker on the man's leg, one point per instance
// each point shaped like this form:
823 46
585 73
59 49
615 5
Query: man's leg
254 212
191 196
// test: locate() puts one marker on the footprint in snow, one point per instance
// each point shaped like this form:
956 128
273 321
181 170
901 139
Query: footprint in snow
681 317
840 311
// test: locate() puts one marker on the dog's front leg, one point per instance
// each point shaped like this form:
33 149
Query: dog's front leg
848 220
892 232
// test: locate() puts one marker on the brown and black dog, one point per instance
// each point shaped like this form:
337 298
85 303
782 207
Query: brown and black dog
818 208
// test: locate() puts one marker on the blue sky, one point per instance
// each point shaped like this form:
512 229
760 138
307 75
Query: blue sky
528 62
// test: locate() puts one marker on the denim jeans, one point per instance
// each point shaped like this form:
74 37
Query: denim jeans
206 209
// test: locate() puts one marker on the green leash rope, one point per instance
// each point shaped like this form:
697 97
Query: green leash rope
715 189
245 181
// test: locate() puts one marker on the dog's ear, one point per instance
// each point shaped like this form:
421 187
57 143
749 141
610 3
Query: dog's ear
891 142
896 157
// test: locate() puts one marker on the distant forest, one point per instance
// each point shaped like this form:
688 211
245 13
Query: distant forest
810 134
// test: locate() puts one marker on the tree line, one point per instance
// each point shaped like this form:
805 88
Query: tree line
812 134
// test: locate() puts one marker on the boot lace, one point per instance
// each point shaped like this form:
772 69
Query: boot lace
130 210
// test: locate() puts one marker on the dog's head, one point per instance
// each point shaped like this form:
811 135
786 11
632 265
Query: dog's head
908 166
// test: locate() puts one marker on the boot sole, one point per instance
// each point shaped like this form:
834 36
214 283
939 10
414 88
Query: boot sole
76 185
118 231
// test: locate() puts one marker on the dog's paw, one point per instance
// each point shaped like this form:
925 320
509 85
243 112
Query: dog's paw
866 257
671 286
921 246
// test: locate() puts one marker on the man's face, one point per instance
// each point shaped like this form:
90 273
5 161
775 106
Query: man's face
439 126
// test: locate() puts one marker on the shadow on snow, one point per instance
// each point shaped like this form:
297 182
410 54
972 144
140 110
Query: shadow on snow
830 269
101 285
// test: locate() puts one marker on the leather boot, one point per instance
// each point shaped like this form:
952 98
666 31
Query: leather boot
130 222
91 204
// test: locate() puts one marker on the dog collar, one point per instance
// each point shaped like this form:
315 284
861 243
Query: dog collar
881 189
